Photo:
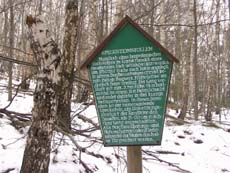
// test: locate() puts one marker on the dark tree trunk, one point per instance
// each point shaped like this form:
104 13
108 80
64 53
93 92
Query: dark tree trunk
11 41
67 64
195 65
186 87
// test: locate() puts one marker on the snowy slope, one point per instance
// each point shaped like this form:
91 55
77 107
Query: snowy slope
192 147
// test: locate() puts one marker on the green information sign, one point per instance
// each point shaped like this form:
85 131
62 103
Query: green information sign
130 75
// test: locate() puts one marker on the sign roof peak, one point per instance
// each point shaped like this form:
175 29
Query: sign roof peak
126 20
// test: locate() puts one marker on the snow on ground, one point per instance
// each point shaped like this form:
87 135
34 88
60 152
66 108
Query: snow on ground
196 148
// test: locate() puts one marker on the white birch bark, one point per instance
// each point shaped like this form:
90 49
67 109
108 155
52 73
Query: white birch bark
52 98
37 152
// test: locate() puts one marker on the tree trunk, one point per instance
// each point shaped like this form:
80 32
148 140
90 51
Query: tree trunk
37 152
5 39
227 96
52 98
81 94
229 10
195 66
40 7
67 64
119 11
11 41
187 58
208 114
25 70
178 53
186 87
217 53
162 22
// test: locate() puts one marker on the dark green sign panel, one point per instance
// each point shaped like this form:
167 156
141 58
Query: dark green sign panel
130 77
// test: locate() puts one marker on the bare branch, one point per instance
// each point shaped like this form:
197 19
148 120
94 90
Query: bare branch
4 58
20 3
17 49
186 25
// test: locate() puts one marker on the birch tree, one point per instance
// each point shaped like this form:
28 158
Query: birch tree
47 54
53 90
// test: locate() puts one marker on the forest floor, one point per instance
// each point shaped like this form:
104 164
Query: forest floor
193 146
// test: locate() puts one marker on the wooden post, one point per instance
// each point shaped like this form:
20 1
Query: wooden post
134 159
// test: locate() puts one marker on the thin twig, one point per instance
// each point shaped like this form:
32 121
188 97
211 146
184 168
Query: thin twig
18 139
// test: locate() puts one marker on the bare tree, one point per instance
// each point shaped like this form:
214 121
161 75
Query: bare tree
11 41
119 11
195 66
162 22
72 22
186 86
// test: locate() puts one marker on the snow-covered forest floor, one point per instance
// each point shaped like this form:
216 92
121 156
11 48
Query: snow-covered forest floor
194 146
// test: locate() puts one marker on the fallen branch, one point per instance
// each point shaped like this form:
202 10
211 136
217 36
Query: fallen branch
177 120
167 152
152 154
8 170
9 59
85 119
84 149
16 116
214 125
77 113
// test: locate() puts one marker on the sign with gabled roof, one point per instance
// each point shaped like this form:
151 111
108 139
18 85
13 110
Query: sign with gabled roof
130 74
